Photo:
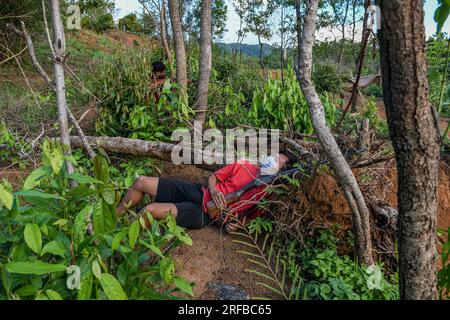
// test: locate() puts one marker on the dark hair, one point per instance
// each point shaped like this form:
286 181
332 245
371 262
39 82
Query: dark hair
291 156
158 66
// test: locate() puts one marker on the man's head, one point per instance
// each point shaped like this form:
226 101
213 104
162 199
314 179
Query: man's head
272 164
158 70
285 157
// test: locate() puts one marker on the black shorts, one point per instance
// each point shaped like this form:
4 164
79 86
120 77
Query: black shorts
188 198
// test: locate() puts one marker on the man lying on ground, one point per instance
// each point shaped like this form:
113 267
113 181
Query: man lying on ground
187 201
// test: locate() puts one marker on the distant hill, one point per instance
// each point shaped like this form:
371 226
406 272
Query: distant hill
248 49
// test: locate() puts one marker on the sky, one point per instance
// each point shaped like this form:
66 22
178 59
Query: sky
127 6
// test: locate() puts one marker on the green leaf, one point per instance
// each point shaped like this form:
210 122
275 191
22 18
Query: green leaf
183 285
33 237
102 219
109 196
441 14
82 179
153 248
96 269
6 197
53 295
35 177
27 291
117 239
38 194
133 233
54 247
84 293
36 267
112 288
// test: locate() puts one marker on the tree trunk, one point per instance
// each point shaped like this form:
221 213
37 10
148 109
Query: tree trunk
415 141
341 53
163 32
162 27
204 62
261 61
155 149
298 15
180 52
360 217
60 86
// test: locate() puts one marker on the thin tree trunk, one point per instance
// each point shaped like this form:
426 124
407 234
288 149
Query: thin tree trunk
204 62
180 52
354 10
357 204
341 53
298 15
60 86
162 27
282 47
163 31
261 62
415 141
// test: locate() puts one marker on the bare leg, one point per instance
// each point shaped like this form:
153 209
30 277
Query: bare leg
160 210
142 186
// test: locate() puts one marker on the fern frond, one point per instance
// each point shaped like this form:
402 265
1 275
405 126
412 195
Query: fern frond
250 254
265 285
261 274
259 264
246 243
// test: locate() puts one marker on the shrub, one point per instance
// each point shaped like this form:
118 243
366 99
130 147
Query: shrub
128 106
102 23
374 90
326 77
44 239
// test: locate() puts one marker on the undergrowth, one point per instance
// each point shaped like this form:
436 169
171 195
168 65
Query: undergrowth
314 271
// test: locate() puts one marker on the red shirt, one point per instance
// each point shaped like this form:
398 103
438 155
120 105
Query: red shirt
233 178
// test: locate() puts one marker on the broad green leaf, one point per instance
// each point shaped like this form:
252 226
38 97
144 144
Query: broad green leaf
441 14
33 237
38 194
109 196
183 285
112 288
133 233
153 248
35 267
26 291
6 197
57 159
53 295
54 247
117 239
78 177
84 293
102 219
96 269
35 177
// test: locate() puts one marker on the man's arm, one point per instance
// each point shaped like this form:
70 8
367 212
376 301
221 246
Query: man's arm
217 196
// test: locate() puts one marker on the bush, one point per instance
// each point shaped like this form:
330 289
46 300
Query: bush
326 77
331 276
100 24
274 106
128 106
374 90
44 239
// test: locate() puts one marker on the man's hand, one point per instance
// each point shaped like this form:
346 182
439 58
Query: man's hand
219 199
231 227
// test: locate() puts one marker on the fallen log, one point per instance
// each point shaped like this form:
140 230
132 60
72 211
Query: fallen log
154 149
